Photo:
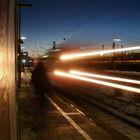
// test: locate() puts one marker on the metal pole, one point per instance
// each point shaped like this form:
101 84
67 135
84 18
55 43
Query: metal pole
19 6
19 46
54 45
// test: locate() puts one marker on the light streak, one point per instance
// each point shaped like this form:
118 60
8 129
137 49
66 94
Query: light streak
105 77
56 50
114 85
79 55
45 56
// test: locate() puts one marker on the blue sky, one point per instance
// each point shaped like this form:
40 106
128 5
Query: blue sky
83 22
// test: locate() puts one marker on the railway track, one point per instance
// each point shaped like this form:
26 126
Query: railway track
95 112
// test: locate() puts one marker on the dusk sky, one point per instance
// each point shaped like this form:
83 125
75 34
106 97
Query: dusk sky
89 23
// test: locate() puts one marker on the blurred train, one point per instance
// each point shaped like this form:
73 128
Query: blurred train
122 101
127 61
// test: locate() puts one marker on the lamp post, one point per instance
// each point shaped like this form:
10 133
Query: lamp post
19 40
117 40
20 6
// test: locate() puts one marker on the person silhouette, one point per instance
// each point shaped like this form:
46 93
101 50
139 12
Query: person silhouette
41 83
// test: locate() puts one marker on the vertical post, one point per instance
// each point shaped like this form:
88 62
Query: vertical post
54 45
114 45
19 45
113 56
20 6
102 47
122 54
102 56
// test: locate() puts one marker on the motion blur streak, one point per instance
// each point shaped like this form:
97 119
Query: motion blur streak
128 88
79 55
105 77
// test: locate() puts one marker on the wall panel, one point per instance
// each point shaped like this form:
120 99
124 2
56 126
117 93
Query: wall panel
8 125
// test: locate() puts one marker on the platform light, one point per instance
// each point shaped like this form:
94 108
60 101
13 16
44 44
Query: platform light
105 77
22 47
87 54
110 84
117 39
23 61
23 37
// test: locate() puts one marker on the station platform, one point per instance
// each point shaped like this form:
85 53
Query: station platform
59 121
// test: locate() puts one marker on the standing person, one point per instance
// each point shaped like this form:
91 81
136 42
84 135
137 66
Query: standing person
39 81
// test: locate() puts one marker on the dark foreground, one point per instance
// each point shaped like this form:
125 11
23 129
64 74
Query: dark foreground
56 122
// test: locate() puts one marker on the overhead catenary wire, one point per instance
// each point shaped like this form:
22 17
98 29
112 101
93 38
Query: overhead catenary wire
84 4
102 11
105 23
95 15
